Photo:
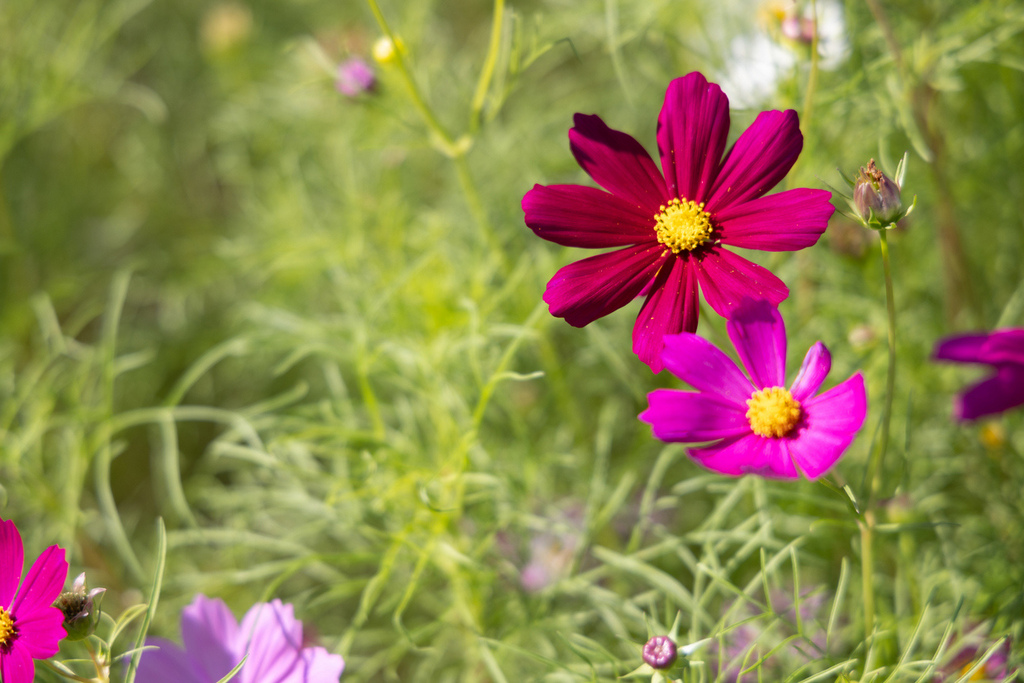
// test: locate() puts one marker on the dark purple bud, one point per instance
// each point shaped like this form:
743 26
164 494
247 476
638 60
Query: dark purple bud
876 196
660 652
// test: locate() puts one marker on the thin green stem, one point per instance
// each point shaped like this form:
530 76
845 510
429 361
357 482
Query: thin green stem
878 460
487 72
867 568
476 207
442 138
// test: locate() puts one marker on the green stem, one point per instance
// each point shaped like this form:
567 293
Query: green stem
487 73
867 568
476 207
877 462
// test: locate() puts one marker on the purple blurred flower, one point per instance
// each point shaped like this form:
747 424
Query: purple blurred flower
670 231
30 626
756 425
354 77
1004 389
215 643
996 668
551 552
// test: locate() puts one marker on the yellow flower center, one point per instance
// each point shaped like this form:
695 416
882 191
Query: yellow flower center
773 412
7 630
683 225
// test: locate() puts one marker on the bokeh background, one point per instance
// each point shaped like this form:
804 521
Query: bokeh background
308 332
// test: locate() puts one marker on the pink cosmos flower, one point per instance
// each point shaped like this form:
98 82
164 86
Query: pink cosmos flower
670 231
30 626
215 643
756 425
1004 351
354 77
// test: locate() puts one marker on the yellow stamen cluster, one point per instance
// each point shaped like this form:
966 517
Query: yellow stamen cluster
7 630
683 225
773 412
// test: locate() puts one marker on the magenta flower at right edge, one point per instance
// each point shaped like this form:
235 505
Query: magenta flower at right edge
756 425
215 642
1004 351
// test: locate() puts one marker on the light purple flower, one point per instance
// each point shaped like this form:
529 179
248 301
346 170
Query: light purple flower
30 626
354 77
1004 389
669 232
756 425
215 643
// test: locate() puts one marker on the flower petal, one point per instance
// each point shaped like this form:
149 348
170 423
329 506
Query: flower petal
1001 391
734 457
830 424
1005 346
168 664
817 363
706 368
16 665
579 216
317 665
671 307
785 221
586 290
693 128
42 584
41 631
726 279
761 157
759 335
210 633
12 561
692 417
617 162
964 348
275 640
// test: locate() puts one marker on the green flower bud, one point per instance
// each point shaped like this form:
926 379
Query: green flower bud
81 610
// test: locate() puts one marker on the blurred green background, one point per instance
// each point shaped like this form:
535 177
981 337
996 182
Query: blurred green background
288 322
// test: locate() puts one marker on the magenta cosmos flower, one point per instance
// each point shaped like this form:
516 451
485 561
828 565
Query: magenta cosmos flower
215 643
756 425
670 232
30 626
1004 351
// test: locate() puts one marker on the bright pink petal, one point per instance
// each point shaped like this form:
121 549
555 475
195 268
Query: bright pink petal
780 461
761 157
759 335
785 221
210 633
726 279
41 631
1000 392
693 128
43 584
817 363
12 560
706 368
168 663
671 307
734 457
829 425
692 417
586 290
618 163
578 216
965 348
16 665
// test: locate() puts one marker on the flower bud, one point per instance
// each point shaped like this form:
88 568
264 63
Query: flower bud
81 610
354 77
385 51
660 652
876 197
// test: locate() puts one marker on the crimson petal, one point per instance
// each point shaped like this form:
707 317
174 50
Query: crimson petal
671 307
726 279
580 216
1001 391
617 162
785 221
693 128
586 290
761 157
